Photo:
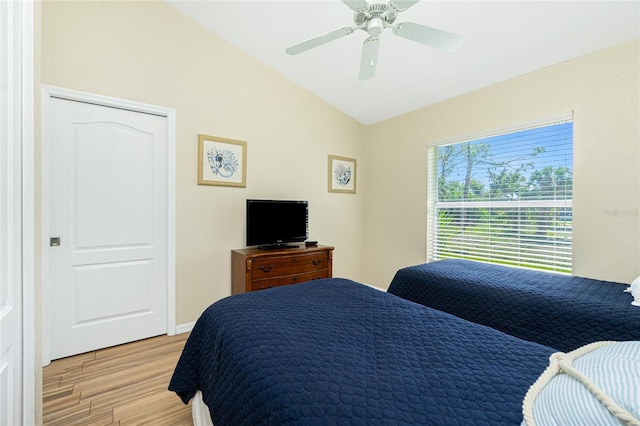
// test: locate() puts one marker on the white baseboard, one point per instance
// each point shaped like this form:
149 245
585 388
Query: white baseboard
185 328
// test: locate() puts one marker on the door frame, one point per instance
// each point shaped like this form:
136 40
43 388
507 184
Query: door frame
49 92
20 203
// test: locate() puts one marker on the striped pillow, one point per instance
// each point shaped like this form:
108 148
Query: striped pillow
595 384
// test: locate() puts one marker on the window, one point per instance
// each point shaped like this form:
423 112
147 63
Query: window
504 198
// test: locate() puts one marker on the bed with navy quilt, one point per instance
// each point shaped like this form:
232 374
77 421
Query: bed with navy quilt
334 351
561 311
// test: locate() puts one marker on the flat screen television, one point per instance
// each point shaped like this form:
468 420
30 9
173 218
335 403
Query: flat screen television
277 223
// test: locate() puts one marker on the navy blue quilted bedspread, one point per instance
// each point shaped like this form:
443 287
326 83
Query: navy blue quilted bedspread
337 352
561 311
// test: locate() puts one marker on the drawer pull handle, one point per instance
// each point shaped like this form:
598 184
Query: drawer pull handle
263 287
316 262
267 269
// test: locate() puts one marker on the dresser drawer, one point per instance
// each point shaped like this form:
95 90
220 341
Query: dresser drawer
256 269
288 265
287 280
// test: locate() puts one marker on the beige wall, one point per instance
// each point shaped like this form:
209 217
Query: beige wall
602 89
103 47
148 52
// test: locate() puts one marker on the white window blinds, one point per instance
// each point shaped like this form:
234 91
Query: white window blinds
505 197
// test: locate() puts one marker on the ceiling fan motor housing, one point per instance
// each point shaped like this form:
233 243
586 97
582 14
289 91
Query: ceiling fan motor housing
375 17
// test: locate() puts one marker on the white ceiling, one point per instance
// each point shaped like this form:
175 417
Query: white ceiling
503 40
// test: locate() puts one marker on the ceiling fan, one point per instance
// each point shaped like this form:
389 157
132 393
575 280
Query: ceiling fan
374 17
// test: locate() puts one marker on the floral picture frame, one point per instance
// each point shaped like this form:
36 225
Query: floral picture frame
222 161
342 174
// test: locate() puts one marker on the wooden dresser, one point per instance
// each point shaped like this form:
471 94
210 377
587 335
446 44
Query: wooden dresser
255 269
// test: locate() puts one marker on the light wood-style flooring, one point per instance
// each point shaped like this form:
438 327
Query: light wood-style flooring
122 385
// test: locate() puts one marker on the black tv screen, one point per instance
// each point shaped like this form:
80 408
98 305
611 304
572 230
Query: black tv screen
275 223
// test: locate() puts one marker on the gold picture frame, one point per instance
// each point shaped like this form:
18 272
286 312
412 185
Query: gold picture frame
222 161
342 174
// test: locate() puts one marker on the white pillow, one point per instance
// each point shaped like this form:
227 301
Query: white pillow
634 289
595 384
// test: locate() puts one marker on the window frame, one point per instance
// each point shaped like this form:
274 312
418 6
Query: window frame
432 188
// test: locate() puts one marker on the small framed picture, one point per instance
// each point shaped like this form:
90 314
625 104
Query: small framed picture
342 174
221 161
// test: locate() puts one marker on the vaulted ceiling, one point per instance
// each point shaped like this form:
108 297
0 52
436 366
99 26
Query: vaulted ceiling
502 40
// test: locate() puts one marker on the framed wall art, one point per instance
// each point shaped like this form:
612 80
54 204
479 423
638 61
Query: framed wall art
342 174
221 161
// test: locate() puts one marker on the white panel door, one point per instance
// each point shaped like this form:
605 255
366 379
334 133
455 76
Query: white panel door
107 186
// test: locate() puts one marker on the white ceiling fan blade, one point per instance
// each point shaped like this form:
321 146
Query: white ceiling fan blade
369 58
429 36
318 40
355 5
404 4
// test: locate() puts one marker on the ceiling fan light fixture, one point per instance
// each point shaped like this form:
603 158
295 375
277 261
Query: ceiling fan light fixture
375 26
